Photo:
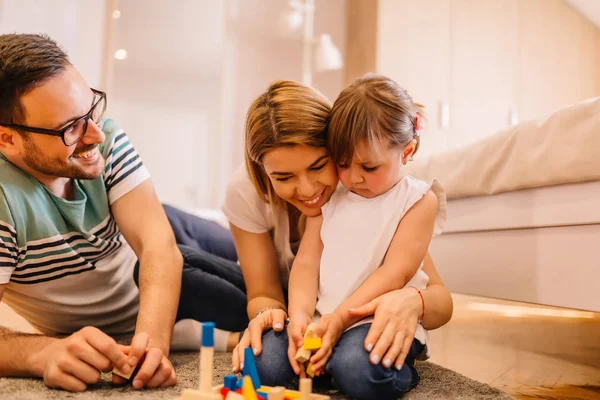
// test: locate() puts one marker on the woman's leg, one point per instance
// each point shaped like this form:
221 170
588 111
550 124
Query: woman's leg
212 289
353 373
200 233
273 365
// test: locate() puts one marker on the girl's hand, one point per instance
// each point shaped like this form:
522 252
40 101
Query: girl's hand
270 319
393 329
296 329
329 328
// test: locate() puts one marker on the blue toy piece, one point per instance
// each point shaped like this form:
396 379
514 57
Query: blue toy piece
208 334
239 383
230 382
250 367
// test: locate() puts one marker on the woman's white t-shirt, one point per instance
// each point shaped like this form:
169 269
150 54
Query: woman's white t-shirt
245 209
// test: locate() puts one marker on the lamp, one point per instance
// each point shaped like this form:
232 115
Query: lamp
301 14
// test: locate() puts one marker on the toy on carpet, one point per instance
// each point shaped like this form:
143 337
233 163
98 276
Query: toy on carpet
247 387
311 344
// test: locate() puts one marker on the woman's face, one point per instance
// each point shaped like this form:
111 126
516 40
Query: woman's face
301 175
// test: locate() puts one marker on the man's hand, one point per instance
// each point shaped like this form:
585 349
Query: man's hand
77 361
329 328
156 369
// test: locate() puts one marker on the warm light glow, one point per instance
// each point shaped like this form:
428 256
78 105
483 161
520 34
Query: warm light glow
116 14
121 54
522 311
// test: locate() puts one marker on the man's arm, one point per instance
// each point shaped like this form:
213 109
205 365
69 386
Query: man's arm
16 348
71 363
144 224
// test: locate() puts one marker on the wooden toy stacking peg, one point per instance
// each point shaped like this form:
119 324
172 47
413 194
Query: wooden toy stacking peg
207 353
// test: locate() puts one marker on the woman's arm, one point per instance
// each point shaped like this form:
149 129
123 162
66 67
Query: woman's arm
304 277
258 260
397 314
402 260
436 297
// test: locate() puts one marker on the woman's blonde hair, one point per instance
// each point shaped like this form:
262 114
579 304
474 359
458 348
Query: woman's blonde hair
376 109
287 114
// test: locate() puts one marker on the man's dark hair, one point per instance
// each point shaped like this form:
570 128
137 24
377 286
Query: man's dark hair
26 61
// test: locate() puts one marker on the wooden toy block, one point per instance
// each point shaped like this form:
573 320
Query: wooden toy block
312 343
276 393
310 331
234 396
305 388
303 355
309 370
194 394
250 367
207 351
122 374
230 382
248 389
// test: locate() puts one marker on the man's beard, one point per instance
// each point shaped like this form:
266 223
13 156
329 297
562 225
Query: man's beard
35 159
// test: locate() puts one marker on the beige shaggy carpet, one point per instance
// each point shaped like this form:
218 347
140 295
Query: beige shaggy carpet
436 383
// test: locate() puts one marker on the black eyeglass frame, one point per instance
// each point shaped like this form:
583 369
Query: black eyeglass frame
61 132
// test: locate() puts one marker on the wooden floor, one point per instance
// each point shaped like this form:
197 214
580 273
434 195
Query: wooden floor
531 352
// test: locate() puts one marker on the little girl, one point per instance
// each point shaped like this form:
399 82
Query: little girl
371 238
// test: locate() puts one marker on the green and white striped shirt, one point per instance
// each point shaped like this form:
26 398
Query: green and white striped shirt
65 263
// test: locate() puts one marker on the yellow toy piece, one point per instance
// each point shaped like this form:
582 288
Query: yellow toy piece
312 343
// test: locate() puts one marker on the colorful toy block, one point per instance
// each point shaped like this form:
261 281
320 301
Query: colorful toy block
309 370
246 388
250 367
303 355
312 343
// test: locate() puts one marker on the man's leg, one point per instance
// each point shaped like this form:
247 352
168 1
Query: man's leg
364 380
212 289
200 233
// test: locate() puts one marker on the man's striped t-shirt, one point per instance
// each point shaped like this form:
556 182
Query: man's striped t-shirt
65 263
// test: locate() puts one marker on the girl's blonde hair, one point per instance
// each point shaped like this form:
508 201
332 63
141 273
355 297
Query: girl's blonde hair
287 114
376 109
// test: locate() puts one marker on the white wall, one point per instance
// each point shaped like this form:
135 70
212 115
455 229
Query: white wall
77 25
166 94
194 67
257 54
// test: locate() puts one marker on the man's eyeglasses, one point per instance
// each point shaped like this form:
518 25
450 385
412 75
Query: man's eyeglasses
73 132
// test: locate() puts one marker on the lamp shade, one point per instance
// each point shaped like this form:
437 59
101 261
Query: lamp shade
327 56
290 21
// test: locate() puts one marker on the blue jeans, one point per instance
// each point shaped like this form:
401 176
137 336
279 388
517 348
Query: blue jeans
349 368
212 284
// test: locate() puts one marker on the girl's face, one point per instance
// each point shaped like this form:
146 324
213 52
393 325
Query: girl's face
369 174
301 175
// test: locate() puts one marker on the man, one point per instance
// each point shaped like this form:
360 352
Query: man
78 213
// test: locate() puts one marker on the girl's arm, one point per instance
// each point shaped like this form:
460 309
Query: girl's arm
304 277
402 260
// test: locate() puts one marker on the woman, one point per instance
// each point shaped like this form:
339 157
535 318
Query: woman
288 174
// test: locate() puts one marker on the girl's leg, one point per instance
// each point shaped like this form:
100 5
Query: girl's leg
212 289
353 373
273 365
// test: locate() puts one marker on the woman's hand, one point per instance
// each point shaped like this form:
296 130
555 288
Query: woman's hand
296 329
393 329
269 319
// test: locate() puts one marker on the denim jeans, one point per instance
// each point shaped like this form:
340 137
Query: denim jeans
212 286
348 369
201 234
